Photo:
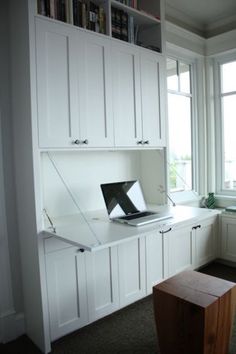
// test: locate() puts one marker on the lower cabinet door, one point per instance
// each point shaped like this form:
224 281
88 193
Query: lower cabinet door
228 238
154 260
67 295
131 262
102 282
206 241
180 250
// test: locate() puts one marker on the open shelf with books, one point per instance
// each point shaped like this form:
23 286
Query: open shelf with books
90 15
134 21
137 22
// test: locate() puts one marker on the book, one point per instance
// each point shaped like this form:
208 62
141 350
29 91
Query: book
84 15
92 11
131 29
102 20
124 26
77 13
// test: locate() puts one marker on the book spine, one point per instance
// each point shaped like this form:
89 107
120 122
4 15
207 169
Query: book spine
52 9
102 20
84 15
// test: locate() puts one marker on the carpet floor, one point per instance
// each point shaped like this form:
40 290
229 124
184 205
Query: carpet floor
129 331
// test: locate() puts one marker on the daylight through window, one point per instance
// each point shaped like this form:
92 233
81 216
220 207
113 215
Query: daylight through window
180 125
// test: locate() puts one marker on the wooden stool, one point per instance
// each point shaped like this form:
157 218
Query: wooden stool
194 313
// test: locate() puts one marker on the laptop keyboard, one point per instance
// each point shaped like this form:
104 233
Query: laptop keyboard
136 216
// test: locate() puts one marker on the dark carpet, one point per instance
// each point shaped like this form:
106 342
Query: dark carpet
130 330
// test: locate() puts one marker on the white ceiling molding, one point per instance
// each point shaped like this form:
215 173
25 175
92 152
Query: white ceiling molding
185 39
205 18
222 43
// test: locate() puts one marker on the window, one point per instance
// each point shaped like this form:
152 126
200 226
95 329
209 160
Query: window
180 110
227 127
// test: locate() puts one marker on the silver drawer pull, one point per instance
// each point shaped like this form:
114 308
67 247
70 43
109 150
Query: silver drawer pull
139 142
165 231
85 141
146 142
76 142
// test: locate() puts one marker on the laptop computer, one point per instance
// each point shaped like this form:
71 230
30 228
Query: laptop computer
125 203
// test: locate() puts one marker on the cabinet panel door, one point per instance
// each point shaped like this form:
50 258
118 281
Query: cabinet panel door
154 260
131 259
152 115
102 280
205 242
67 294
56 85
228 238
126 95
181 250
95 83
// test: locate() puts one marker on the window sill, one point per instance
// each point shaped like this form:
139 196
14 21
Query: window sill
189 198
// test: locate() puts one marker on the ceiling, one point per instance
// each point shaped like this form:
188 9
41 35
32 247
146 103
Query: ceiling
206 18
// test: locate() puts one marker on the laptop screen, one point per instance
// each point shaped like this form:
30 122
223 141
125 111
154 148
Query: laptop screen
123 198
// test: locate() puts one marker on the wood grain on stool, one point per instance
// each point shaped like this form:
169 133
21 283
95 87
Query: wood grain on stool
194 313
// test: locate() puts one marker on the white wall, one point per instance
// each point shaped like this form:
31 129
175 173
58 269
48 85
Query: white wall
12 302
83 172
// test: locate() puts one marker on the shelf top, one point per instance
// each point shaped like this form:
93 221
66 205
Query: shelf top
141 17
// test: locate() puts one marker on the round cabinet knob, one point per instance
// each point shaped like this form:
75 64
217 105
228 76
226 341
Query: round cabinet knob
85 142
139 142
76 142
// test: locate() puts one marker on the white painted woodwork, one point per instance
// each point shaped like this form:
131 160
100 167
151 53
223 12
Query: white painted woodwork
205 242
228 238
154 260
138 97
126 95
152 97
74 87
57 87
102 282
95 91
67 294
180 250
131 260
6 296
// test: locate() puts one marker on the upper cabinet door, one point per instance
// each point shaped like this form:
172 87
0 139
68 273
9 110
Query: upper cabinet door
126 95
56 85
95 91
153 97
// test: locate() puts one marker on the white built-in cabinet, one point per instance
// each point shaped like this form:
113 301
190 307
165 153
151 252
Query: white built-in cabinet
180 250
228 238
132 286
138 76
73 87
192 246
155 246
85 286
94 92
102 282
206 239
67 293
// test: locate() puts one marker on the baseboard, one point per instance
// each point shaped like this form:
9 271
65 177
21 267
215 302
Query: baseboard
12 325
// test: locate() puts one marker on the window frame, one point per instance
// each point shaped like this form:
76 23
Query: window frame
219 126
193 194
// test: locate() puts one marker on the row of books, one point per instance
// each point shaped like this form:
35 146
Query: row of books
131 3
123 26
82 13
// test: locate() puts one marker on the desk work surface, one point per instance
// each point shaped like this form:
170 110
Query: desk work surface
93 230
